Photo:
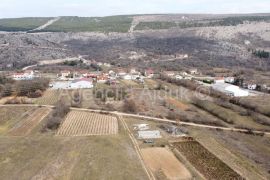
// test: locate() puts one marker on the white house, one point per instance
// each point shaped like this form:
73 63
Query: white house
149 73
27 75
230 80
127 77
219 80
252 86
148 134
229 89
179 77
193 71
83 83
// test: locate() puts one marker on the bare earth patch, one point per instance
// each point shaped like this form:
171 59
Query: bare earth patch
161 159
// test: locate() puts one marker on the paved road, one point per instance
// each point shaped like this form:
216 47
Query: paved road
149 118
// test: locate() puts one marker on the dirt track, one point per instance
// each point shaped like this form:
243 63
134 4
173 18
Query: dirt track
155 119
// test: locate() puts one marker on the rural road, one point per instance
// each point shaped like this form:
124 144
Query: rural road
148 118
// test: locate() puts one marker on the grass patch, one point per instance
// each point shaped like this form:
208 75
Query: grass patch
21 24
91 24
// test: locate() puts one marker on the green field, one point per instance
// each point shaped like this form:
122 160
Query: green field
227 21
155 25
21 24
91 24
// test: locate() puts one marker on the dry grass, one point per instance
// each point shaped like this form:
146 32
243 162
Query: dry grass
10 116
177 104
52 157
25 126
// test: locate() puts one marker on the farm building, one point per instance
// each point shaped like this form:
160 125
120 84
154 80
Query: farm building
83 83
27 75
148 134
230 89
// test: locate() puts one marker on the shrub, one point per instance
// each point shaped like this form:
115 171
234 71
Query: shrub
57 116
130 106
224 114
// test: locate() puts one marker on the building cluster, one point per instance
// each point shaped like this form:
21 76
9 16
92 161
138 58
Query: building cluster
84 79
188 75
25 75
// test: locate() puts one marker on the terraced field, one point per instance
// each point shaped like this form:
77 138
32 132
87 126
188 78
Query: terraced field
79 123
25 126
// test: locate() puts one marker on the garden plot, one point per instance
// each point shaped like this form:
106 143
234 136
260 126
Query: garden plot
205 162
25 126
161 159
80 123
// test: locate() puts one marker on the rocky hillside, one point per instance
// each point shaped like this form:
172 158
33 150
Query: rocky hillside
156 40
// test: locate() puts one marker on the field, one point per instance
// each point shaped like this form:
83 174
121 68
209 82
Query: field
91 24
205 162
246 154
161 159
78 123
46 156
21 24
50 157
25 126
130 84
231 117
177 104
150 83
155 25
9 116
50 97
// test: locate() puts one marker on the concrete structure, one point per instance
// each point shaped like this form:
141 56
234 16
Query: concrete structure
83 83
148 134
229 89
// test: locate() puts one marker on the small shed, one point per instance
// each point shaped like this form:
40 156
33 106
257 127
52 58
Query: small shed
148 134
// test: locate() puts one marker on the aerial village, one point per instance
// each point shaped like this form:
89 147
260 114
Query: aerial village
85 79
